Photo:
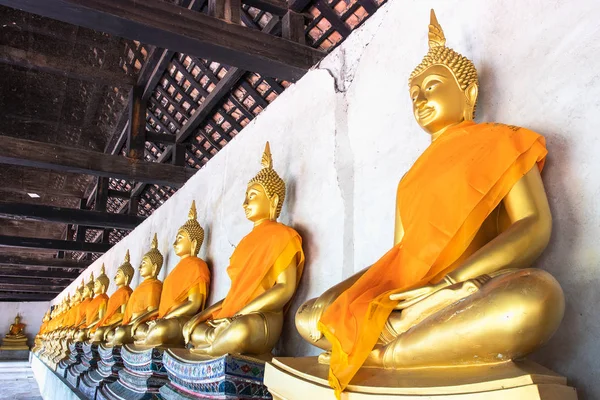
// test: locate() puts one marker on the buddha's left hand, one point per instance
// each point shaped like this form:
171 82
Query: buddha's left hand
413 296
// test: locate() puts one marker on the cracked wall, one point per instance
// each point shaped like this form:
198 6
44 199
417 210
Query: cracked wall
343 136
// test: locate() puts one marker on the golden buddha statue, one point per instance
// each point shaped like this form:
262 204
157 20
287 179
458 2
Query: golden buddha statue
184 290
15 339
38 339
115 308
471 217
144 301
96 309
264 269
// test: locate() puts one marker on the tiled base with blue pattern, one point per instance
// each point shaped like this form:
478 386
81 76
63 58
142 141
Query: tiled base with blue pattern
226 377
75 353
105 372
140 379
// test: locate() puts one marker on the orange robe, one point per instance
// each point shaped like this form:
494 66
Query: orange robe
80 312
256 263
118 298
147 294
92 309
442 201
187 274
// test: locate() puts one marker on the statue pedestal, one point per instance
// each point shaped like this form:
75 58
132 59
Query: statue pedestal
75 352
105 372
304 378
228 377
14 344
88 360
143 374
10 354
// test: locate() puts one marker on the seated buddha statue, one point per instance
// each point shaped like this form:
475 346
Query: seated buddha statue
96 309
184 291
38 340
265 269
16 329
144 300
115 308
471 217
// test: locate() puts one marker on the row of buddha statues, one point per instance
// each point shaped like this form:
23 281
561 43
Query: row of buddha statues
456 288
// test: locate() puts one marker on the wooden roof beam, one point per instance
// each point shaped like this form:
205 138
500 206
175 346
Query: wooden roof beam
53 244
56 157
29 273
74 216
12 296
61 263
178 29
62 67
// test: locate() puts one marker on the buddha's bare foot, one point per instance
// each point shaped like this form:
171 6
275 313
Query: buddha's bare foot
325 358
375 358
202 350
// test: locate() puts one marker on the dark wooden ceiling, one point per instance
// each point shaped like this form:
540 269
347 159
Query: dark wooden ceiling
80 89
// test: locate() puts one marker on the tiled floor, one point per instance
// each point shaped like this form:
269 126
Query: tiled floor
17 381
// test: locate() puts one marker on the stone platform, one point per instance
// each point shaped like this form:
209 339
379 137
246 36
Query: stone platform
140 379
196 377
10 354
104 373
304 378
51 384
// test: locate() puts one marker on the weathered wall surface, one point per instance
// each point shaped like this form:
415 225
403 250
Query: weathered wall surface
343 136
31 315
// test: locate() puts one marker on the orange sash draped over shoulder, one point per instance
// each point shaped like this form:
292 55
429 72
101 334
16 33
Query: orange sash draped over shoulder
147 294
188 273
442 201
81 311
256 263
116 300
91 310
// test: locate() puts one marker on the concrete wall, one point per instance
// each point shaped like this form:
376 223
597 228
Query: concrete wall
31 315
343 136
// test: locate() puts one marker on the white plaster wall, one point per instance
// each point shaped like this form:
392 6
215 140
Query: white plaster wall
343 136
31 315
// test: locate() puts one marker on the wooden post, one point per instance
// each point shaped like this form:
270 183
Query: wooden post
133 205
178 156
101 194
293 27
228 10
136 139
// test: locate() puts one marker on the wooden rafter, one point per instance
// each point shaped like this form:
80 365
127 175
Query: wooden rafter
169 26
53 244
36 212
29 153
57 263
63 67
20 272
16 296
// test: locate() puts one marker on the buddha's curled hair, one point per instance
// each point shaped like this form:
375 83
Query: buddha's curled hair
270 180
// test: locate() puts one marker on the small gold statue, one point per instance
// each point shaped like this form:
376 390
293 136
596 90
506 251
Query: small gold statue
115 309
15 339
184 291
144 301
264 269
471 217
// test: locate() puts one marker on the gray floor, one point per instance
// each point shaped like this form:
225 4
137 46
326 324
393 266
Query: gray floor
17 381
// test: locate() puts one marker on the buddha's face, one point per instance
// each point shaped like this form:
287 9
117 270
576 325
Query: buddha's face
98 287
17 320
183 245
147 268
257 204
87 292
438 101
120 278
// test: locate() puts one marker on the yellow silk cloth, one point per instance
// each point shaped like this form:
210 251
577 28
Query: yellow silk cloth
146 295
43 327
442 201
80 312
187 274
116 300
91 310
256 263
